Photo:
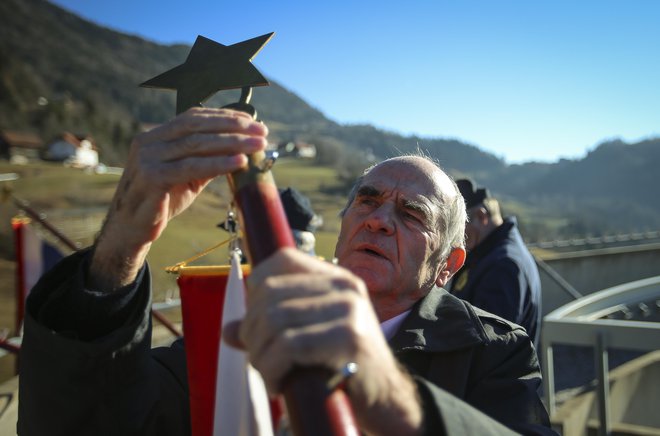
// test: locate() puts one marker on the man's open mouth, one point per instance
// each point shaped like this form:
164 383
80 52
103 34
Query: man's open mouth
372 252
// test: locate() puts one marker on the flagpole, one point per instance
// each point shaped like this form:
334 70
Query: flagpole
314 407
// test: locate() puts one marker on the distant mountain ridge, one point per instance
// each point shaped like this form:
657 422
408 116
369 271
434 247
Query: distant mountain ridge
60 72
89 74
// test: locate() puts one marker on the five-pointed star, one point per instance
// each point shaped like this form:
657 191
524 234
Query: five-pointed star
211 67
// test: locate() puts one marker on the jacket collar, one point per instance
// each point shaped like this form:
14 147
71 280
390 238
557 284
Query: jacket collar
495 238
438 322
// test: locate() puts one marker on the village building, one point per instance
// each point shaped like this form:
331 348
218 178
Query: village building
77 151
298 149
19 146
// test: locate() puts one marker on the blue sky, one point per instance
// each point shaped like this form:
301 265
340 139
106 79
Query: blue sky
523 80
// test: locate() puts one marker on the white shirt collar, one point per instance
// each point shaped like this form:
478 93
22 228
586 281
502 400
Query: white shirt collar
391 326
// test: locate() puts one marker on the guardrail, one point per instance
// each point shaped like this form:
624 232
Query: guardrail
596 240
589 321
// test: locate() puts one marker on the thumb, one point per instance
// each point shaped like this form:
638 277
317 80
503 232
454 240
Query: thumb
230 334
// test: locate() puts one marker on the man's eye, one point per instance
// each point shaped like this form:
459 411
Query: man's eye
411 216
368 201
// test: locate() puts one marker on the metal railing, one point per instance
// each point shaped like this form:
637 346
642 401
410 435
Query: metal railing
597 240
588 322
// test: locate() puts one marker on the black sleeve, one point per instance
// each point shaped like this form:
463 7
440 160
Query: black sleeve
61 302
444 414
86 365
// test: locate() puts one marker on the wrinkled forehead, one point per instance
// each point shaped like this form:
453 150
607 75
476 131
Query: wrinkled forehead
411 177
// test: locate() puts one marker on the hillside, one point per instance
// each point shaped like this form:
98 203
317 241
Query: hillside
612 189
59 72
86 80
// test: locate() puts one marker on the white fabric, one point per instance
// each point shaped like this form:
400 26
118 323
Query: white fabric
241 406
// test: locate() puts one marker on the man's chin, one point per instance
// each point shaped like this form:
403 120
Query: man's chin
374 279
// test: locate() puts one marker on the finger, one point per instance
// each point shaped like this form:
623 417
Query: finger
202 120
309 310
206 144
289 261
266 321
185 171
325 345
230 334
190 172
276 288
205 120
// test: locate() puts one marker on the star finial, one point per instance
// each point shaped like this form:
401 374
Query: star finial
211 67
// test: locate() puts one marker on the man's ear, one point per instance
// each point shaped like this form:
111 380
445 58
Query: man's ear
480 215
455 261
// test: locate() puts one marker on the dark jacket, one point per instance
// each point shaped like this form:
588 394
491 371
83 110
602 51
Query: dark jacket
73 382
461 352
86 366
501 277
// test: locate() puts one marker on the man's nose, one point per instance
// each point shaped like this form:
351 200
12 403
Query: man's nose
381 220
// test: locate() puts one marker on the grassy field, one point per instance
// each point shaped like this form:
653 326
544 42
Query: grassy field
75 202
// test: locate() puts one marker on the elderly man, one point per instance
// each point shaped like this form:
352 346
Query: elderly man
429 363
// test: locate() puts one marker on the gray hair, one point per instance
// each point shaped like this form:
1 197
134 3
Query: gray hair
452 213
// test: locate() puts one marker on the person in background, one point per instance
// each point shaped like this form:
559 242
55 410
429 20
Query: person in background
302 219
300 215
500 274
427 363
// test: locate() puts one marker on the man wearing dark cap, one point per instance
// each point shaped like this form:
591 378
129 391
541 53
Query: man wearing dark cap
302 219
300 215
499 275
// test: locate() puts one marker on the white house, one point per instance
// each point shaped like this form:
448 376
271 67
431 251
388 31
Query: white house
71 150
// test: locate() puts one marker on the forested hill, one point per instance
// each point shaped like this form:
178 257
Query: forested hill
89 75
86 78
59 72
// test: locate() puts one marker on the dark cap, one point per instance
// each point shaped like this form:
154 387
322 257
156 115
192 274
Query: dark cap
298 210
471 196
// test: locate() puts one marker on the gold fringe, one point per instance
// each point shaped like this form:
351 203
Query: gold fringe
174 269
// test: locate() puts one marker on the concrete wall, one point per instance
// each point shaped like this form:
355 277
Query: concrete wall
589 271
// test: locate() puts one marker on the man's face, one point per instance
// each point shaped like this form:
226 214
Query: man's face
389 234
471 233
474 227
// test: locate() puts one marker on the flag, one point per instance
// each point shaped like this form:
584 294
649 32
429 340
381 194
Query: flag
227 396
34 257
241 406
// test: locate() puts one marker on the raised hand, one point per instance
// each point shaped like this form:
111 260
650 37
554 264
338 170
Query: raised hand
166 169
306 312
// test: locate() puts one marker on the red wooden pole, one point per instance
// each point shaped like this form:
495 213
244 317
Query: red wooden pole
314 409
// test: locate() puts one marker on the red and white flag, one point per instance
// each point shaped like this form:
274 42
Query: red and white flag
241 406
227 395
34 257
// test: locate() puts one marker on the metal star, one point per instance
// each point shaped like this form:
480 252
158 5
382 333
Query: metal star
211 67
